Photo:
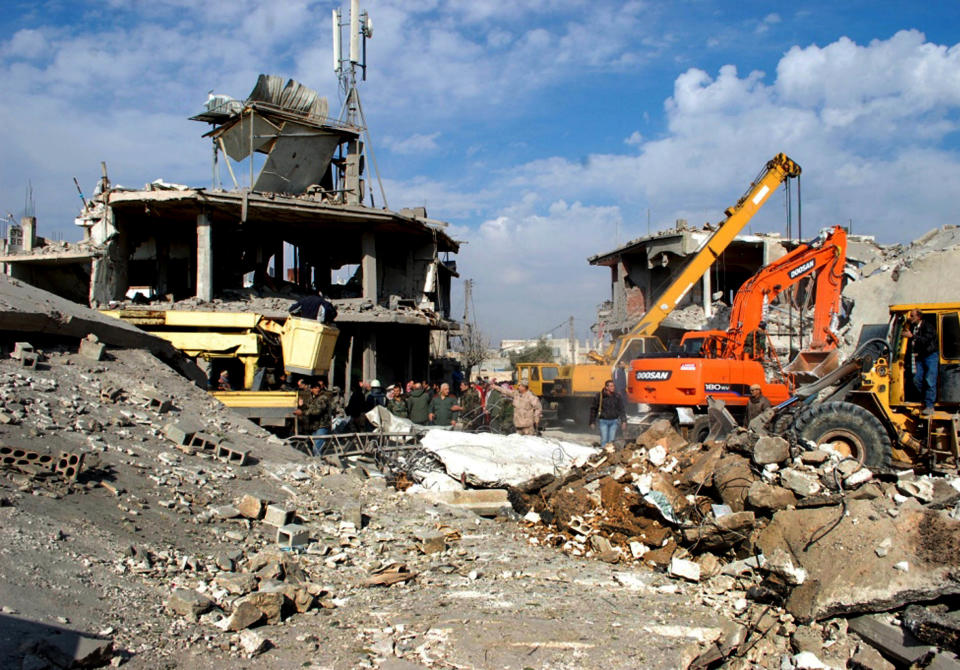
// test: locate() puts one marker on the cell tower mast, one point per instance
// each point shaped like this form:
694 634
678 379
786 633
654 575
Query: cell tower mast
360 27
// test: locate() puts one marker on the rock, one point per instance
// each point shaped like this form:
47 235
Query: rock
237 584
251 507
657 455
709 565
771 450
921 489
686 569
765 496
245 615
800 483
661 432
732 478
189 604
806 638
700 472
807 660
68 649
253 642
868 658
814 457
844 574
778 563
271 604
431 543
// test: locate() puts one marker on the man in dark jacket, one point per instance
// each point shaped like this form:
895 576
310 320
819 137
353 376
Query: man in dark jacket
314 307
608 410
922 339
419 404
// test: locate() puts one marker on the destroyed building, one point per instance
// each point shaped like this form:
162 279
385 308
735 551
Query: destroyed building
309 206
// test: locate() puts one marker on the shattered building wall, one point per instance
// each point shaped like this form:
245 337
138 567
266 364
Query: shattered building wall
201 246
642 268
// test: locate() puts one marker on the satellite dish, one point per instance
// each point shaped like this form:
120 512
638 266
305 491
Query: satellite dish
368 27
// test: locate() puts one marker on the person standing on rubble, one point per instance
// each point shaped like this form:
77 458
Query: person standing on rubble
418 405
314 307
921 339
316 413
444 407
609 412
527 410
757 404
376 396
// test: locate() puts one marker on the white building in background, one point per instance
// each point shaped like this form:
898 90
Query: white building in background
563 349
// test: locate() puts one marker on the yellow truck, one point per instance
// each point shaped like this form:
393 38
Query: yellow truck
577 384
252 346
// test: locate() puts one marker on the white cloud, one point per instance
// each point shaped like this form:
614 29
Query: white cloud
767 21
413 144
635 139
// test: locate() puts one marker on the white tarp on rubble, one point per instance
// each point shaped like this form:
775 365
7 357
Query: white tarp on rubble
485 459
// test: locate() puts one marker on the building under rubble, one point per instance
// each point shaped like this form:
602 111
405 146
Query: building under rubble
308 209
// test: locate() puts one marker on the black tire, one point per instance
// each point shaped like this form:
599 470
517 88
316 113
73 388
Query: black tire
853 431
699 430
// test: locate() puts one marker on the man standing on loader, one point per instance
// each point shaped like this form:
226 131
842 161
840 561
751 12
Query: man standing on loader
922 338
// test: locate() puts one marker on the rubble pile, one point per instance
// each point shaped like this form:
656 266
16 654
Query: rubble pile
760 524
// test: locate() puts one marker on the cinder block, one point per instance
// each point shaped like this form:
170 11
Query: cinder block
28 359
235 456
204 441
293 535
279 516
178 433
20 348
92 349
160 405
110 394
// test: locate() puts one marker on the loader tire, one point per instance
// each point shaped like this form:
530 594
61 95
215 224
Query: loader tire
699 430
852 430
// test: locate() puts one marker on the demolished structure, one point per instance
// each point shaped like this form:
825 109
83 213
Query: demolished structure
310 202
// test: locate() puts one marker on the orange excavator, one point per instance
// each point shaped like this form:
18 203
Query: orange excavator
724 364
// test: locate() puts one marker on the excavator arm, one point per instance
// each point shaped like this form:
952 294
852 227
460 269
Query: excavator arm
777 170
824 257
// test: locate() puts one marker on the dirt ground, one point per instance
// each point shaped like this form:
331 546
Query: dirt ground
103 555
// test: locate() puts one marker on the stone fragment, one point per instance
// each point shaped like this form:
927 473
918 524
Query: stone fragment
800 483
765 496
253 642
271 604
868 658
251 507
238 583
189 603
688 570
770 449
700 472
244 615
92 348
814 457
732 478
432 543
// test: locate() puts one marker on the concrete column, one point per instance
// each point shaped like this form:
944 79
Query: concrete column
707 295
370 356
353 185
368 266
29 226
204 257
108 272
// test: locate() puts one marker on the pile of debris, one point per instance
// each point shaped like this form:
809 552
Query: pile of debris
759 521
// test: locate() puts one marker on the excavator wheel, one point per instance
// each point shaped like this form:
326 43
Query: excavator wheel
849 428
699 430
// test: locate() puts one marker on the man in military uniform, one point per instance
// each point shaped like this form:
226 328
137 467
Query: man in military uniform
317 413
395 402
470 402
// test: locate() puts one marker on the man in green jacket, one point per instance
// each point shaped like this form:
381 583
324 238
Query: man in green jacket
418 404
395 402
444 407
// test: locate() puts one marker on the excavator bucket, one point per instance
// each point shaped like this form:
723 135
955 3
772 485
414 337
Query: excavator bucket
810 366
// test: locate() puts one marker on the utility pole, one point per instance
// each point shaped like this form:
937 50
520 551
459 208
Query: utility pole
573 344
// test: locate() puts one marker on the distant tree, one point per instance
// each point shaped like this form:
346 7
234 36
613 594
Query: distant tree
474 346
541 352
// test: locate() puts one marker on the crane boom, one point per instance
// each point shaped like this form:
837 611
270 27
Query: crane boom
777 170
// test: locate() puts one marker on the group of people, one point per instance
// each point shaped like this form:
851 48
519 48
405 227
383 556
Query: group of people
322 411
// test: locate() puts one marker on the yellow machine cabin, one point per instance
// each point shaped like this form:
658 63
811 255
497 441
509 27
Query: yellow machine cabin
261 348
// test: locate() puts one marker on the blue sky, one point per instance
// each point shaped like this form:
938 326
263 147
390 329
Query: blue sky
543 131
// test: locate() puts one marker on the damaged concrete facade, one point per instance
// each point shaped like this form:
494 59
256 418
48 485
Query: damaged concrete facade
307 203
642 268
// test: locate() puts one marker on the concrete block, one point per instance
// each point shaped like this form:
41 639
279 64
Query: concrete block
20 348
235 456
204 441
278 516
484 502
158 404
91 348
686 569
110 394
28 359
293 535
11 456
178 433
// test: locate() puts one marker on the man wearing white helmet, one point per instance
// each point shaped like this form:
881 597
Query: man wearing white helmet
376 395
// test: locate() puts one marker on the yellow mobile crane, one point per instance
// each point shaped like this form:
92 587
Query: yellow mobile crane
576 385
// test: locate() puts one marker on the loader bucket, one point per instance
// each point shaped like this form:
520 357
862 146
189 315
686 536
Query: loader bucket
810 366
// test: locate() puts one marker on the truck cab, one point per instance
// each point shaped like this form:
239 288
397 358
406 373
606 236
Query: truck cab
539 377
